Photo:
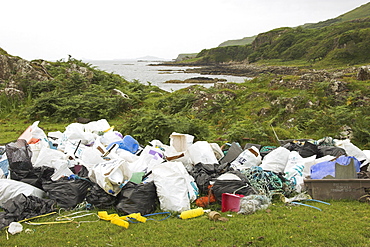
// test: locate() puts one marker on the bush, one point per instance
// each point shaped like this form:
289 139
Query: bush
147 125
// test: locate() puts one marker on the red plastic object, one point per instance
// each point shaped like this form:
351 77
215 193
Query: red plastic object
230 202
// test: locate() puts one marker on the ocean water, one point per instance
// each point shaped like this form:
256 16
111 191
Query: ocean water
156 75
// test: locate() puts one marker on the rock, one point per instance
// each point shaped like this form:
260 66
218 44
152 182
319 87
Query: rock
13 68
12 92
336 87
363 74
81 70
198 80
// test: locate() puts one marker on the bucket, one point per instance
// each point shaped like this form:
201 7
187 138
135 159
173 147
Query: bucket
230 202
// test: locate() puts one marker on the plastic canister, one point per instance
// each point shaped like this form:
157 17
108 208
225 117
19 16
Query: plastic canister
192 213
128 143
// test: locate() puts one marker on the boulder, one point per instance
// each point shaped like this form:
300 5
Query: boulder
363 74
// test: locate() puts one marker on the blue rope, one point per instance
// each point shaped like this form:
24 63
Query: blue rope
169 215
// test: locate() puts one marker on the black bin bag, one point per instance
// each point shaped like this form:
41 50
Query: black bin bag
67 192
24 207
98 198
137 198
19 157
203 174
38 174
238 185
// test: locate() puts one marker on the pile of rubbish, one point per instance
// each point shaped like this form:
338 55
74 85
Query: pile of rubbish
94 164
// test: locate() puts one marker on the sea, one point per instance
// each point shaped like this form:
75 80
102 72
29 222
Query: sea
143 72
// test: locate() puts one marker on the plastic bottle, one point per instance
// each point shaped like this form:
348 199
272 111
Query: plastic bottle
192 213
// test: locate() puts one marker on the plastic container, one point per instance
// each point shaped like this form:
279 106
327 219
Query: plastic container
192 213
337 189
230 202
128 143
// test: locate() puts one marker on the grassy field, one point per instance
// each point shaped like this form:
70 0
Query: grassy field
343 223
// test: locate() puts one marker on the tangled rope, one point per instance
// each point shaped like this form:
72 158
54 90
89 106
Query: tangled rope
268 183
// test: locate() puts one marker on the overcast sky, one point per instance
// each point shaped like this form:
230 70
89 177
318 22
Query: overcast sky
120 29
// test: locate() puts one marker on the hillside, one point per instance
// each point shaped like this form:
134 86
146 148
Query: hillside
243 41
360 12
342 40
335 45
303 103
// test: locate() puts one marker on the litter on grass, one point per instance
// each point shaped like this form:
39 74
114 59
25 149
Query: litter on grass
94 164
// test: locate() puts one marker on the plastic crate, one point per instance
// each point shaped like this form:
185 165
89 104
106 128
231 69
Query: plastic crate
337 189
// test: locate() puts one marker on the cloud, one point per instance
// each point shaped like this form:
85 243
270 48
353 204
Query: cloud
164 28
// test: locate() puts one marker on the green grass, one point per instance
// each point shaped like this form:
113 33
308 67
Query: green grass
343 223
12 127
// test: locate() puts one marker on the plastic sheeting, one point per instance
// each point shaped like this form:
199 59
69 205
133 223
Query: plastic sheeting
23 207
323 169
9 189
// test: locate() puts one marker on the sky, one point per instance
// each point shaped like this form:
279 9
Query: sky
130 29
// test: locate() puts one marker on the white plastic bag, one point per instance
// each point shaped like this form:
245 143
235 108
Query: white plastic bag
15 227
248 158
75 132
110 175
11 188
201 152
174 186
217 151
149 157
90 157
36 148
33 133
61 169
295 169
352 150
47 155
98 127
110 137
275 160
126 155
296 164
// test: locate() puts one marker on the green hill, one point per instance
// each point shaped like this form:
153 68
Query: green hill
341 43
243 41
338 41
360 12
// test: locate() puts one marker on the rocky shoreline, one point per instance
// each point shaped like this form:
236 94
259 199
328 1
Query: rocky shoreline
198 80
252 70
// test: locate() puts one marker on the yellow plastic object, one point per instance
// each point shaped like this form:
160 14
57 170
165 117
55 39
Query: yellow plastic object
113 218
110 128
192 213
136 216
105 216
120 222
